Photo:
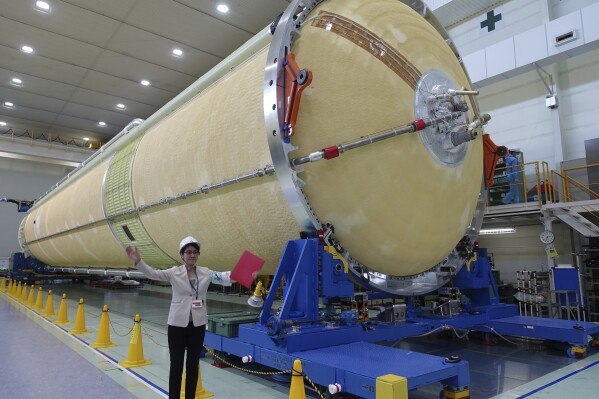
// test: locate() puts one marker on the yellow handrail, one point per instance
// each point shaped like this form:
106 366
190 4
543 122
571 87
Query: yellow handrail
577 184
566 179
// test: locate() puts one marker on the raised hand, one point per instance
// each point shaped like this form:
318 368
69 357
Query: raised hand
133 254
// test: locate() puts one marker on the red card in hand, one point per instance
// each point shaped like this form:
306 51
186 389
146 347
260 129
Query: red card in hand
247 264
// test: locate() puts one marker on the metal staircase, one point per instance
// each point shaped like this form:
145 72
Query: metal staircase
582 216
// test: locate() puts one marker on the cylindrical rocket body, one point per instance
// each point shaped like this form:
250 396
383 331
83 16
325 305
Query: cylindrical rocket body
394 207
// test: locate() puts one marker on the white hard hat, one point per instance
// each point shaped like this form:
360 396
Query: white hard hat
187 241
515 149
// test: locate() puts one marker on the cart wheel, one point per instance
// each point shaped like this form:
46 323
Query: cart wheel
576 352
442 394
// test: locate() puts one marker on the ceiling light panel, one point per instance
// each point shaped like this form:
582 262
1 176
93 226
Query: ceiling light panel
222 8
27 49
16 82
499 230
177 52
42 6
145 82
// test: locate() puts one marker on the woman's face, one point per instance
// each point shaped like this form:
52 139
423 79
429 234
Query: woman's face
190 256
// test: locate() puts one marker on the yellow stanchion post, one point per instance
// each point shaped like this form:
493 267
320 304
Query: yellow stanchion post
3 284
31 297
79 326
62 317
49 312
10 285
103 340
135 357
23 297
39 306
297 390
201 393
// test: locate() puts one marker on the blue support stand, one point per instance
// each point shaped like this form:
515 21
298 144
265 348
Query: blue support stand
336 347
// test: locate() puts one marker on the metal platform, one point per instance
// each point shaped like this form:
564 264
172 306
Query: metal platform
355 366
570 331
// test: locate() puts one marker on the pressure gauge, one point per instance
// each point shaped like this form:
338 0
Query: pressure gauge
547 237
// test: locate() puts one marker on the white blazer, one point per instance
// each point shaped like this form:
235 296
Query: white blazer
183 293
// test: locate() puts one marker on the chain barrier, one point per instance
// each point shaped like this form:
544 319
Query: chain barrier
123 335
211 351
313 385
144 332
290 371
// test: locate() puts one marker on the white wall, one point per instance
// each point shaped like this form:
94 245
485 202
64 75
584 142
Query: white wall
524 251
517 16
579 105
519 116
22 180
517 105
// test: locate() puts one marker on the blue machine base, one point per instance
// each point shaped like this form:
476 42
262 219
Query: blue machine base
355 366
570 331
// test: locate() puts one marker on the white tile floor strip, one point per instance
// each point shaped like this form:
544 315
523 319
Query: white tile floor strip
578 380
147 382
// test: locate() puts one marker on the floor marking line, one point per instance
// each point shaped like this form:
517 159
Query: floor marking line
558 380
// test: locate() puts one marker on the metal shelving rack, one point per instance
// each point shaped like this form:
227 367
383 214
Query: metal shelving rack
591 279
533 293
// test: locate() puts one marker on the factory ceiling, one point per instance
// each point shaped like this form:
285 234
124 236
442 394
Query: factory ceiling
87 58
74 68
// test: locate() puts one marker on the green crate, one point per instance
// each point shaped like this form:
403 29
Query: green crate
227 324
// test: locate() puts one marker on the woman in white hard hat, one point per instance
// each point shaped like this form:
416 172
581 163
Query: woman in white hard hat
187 317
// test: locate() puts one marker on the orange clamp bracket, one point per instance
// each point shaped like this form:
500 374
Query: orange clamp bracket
491 153
296 80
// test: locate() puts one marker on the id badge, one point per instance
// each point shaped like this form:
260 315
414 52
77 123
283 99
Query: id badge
198 303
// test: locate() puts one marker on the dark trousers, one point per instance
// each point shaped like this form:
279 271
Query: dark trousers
180 339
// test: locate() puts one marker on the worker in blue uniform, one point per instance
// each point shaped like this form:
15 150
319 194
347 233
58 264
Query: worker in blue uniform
513 171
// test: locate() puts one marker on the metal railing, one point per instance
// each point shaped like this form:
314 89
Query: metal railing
577 189
532 188
538 185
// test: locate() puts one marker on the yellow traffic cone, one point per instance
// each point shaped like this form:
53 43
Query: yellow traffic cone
135 357
297 390
79 326
49 312
18 291
39 301
9 289
201 393
23 296
62 317
31 298
13 288
103 340
3 284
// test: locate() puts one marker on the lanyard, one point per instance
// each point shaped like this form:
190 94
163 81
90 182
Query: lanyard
196 288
